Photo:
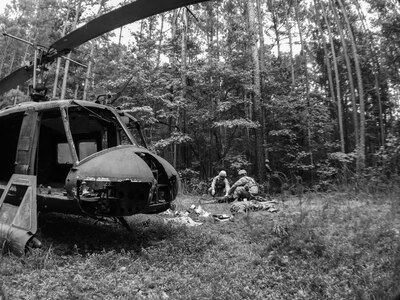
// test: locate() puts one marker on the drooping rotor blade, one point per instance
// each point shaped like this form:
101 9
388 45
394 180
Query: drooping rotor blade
18 77
126 14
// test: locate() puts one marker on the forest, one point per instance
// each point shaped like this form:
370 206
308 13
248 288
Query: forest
303 94
311 86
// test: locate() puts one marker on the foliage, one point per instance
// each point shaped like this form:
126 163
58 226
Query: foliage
201 110
191 184
325 247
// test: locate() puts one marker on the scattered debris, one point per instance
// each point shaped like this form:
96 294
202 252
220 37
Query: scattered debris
175 213
222 218
252 205
182 221
200 211
184 217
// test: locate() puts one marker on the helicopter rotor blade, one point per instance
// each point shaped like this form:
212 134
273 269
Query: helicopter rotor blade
18 77
121 16
138 10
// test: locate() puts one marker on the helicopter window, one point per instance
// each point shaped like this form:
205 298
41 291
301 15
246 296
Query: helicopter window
87 148
135 131
63 154
100 127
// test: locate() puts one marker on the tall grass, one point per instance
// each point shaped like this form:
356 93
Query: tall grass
326 246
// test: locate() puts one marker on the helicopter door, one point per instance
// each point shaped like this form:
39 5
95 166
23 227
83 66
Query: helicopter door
27 143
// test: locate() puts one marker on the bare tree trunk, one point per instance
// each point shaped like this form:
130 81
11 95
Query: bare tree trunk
59 59
374 56
12 62
67 62
181 111
275 25
76 90
160 39
89 68
262 78
172 62
257 91
349 75
338 94
88 72
304 59
3 55
289 29
183 74
326 53
361 150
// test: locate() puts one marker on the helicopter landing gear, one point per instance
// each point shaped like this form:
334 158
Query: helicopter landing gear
125 224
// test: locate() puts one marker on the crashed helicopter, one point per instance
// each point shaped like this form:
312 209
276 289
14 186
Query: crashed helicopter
77 157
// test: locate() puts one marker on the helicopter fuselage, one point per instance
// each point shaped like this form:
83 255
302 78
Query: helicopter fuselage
88 158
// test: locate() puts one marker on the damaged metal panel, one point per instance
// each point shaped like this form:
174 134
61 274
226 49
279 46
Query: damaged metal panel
115 164
18 213
26 149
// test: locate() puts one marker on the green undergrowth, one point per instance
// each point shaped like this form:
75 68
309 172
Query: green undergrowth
321 246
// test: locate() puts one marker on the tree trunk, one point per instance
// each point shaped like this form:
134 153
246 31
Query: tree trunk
257 91
338 94
349 75
275 26
172 61
184 40
59 59
361 151
160 39
326 53
374 57
289 29
262 78
67 62
3 55
12 62
89 68
304 60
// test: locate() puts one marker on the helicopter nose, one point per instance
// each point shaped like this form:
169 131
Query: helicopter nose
115 165
116 182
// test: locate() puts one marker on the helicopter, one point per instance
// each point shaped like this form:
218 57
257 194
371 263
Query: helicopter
77 157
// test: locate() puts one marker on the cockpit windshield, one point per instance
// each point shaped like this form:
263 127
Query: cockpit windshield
94 129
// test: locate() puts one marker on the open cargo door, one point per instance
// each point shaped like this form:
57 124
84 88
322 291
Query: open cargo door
18 213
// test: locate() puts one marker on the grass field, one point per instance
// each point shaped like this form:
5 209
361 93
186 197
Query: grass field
323 246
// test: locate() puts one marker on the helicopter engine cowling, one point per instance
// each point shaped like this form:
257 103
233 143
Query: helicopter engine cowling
122 181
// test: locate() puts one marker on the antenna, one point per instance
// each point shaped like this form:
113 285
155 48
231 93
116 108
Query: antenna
38 93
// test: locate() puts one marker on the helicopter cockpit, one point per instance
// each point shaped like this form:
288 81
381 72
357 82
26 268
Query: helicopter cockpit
91 130
84 151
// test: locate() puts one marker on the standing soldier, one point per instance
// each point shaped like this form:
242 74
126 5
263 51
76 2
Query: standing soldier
220 185
245 187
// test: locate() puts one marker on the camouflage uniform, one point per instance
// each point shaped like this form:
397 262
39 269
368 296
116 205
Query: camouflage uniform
245 187
220 185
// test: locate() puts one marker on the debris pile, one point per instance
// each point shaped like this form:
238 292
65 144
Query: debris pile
252 205
188 221
197 212
183 217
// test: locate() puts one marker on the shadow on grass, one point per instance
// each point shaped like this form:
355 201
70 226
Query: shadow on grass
71 235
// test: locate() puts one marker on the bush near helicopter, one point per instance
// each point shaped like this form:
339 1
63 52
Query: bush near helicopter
77 157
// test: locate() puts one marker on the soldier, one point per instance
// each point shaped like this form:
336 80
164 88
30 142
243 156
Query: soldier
220 185
245 187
